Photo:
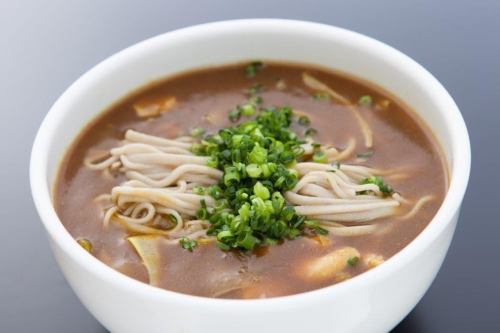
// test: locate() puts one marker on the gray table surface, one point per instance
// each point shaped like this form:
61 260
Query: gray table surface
45 45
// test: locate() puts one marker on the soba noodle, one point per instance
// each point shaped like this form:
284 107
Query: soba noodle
162 175
314 83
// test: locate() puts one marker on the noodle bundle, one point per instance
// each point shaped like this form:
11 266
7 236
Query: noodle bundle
162 176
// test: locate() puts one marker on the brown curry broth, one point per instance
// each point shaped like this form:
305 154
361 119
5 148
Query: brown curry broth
400 141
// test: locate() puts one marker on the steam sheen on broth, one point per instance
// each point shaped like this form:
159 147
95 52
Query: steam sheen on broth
250 181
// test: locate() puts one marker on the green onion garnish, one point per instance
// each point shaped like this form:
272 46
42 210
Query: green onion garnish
304 121
320 157
252 68
200 190
261 191
255 156
197 132
384 188
352 261
247 110
188 244
310 132
235 114
253 170
365 100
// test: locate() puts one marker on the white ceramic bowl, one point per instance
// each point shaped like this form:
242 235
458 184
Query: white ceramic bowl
375 301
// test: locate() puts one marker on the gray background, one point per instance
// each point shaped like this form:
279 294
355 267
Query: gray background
45 45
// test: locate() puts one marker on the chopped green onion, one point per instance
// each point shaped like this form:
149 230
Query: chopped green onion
235 114
224 235
353 261
253 170
231 176
172 218
320 157
249 209
188 243
212 162
197 132
304 121
244 212
247 110
383 187
200 190
214 191
223 246
365 100
310 132
314 225
261 191
252 68
258 155
248 242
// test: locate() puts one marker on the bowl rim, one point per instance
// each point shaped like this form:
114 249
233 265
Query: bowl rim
459 175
